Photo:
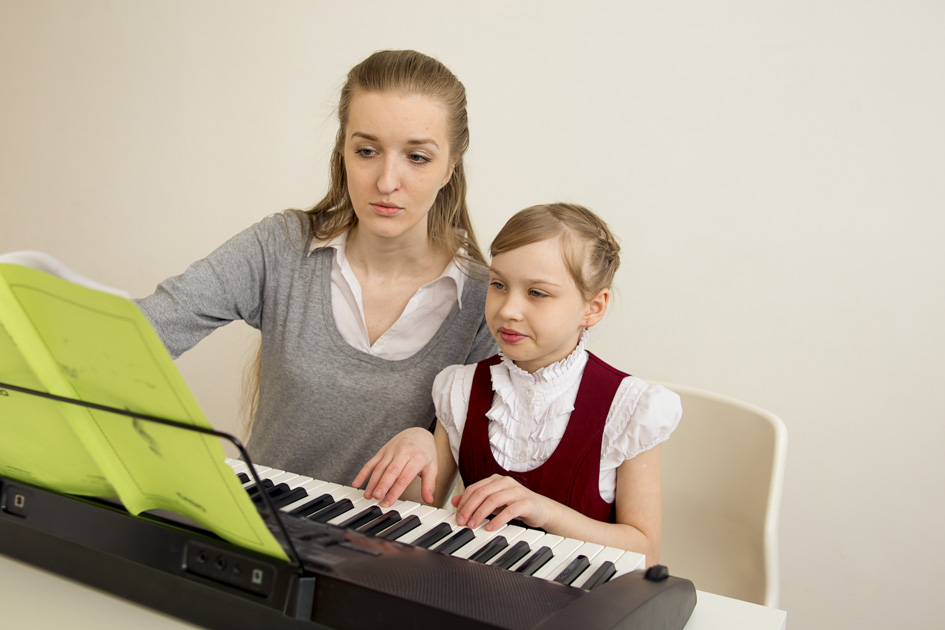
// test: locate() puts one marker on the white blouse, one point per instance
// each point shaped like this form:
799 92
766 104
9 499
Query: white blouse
530 412
416 326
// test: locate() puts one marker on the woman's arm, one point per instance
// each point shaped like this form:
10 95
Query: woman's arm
638 508
227 285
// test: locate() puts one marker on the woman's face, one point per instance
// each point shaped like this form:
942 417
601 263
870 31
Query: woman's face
397 157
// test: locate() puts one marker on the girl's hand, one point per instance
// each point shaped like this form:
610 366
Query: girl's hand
506 498
410 453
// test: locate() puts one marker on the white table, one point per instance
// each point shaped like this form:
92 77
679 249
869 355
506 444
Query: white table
33 598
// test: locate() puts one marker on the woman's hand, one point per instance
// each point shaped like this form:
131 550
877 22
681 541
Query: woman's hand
410 453
504 497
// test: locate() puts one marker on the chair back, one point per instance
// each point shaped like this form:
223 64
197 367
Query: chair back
722 473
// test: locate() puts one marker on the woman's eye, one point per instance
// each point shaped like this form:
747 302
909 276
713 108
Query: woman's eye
365 152
417 158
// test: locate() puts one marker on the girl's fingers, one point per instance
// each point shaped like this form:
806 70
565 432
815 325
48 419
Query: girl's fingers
485 498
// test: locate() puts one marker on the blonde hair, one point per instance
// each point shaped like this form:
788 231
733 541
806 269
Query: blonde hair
590 251
405 72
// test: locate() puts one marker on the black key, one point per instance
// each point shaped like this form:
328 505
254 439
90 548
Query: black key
273 492
603 573
362 517
575 568
277 490
290 497
253 489
335 509
433 536
243 477
402 528
518 551
489 550
310 507
536 561
381 523
456 541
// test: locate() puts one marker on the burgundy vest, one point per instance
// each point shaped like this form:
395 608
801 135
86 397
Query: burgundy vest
572 474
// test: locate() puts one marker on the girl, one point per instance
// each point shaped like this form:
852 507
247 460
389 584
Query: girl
545 432
361 300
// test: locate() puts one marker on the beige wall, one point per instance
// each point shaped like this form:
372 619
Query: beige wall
774 171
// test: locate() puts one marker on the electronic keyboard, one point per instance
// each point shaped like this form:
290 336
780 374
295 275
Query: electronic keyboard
406 566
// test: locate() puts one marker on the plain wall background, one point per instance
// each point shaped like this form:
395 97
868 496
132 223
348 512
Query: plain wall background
774 170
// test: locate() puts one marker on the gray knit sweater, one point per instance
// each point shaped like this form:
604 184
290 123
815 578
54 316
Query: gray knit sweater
325 408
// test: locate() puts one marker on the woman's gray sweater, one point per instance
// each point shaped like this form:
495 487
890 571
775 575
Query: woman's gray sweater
325 408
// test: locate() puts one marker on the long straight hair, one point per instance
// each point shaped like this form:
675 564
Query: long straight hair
449 228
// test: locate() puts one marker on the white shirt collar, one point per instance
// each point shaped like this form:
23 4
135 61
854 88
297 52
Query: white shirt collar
453 270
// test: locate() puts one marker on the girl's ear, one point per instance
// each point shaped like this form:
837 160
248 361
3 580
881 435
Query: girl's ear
596 308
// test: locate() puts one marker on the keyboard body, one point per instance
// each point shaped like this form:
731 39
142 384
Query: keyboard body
350 580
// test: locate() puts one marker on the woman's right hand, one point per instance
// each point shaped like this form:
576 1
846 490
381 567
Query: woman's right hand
410 453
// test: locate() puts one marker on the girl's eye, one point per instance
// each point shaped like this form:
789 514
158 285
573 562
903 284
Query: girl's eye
535 293
418 158
495 284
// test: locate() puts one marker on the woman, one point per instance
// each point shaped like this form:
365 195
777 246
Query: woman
361 300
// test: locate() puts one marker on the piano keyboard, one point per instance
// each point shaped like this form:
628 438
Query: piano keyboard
528 551
409 566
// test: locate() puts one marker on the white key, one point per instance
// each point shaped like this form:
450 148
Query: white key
607 554
562 551
237 465
628 562
283 477
409 507
263 472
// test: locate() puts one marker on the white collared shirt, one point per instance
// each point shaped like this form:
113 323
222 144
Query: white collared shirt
530 412
415 327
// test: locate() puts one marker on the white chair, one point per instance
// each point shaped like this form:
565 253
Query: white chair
723 471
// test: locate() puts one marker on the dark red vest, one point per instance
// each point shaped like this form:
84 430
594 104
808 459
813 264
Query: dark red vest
572 474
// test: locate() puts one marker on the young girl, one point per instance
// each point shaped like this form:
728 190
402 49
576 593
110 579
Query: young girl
544 432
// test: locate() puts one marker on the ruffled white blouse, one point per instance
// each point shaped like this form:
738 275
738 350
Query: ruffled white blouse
530 413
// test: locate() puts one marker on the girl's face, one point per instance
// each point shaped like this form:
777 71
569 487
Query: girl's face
397 158
534 308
